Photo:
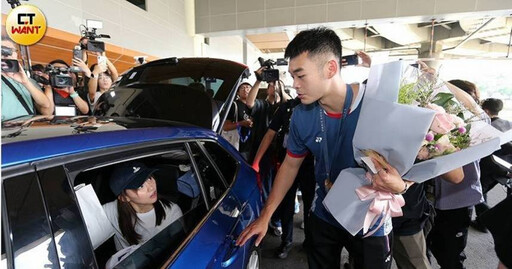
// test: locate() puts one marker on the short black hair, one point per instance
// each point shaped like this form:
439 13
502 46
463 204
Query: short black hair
494 105
315 41
38 67
59 61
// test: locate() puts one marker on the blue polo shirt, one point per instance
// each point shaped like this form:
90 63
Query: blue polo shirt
306 135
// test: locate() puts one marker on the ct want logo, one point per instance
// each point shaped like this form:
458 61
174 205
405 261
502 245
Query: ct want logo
26 25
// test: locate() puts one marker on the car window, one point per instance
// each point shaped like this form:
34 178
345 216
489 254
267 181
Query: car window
176 182
214 185
70 233
171 102
224 161
30 233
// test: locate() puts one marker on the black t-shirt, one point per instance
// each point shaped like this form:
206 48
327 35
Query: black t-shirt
281 125
261 114
414 211
499 221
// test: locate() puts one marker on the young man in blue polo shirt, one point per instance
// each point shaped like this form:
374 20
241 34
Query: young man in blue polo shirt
320 126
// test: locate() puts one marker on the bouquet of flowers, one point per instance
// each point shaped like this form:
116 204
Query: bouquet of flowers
449 131
414 122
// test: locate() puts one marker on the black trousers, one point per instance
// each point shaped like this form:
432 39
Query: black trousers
487 184
327 242
449 237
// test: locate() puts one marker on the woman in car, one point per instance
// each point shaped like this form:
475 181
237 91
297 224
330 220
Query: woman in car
138 213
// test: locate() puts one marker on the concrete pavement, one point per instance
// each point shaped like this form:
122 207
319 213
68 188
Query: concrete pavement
479 249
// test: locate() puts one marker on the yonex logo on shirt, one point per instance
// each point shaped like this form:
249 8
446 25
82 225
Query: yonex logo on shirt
136 169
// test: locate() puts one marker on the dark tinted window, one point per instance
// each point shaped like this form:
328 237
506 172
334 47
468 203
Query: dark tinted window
163 102
32 242
139 3
73 247
213 183
224 161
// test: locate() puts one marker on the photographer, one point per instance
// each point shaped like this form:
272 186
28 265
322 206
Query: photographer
19 93
64 95
101 78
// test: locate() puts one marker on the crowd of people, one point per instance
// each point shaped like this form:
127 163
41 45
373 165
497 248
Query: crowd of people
56 88
303 143
308 141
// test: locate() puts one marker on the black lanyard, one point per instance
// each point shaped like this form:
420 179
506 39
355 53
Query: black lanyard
325 146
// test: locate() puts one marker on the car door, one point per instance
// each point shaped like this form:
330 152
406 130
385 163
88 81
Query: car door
213 246
40 215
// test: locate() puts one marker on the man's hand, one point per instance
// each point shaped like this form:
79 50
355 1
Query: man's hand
83 66
99 68
259 73
365 58
387 178
259 227
20 76
246 123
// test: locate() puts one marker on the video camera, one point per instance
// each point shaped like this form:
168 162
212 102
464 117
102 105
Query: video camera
59 76
90 33
9 65
270 74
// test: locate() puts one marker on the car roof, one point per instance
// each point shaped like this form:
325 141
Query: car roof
47 137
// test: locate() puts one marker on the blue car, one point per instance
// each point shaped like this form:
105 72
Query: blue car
167 115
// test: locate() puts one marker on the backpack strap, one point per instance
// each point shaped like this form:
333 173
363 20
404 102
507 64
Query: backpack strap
18 95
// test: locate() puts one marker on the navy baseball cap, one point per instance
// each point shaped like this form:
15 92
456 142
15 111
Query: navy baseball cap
130 175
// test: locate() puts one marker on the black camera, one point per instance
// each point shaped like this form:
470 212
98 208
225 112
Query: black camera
91 35
59 77
10 66
40 79
270 74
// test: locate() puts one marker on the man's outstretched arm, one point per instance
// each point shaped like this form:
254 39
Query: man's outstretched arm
283 182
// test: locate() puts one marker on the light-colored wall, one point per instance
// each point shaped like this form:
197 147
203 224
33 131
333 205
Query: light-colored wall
231 48
161 30
230 15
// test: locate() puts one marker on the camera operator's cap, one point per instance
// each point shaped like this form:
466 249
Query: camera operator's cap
245 83
130 175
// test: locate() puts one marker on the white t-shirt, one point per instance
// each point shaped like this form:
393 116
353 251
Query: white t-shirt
145 225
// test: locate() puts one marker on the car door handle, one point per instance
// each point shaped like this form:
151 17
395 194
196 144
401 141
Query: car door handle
232 253
235 213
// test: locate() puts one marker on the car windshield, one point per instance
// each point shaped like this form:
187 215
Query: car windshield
190 90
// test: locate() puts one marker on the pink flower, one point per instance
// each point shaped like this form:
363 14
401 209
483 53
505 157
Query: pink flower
457 120
442 124
429 137
462 130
